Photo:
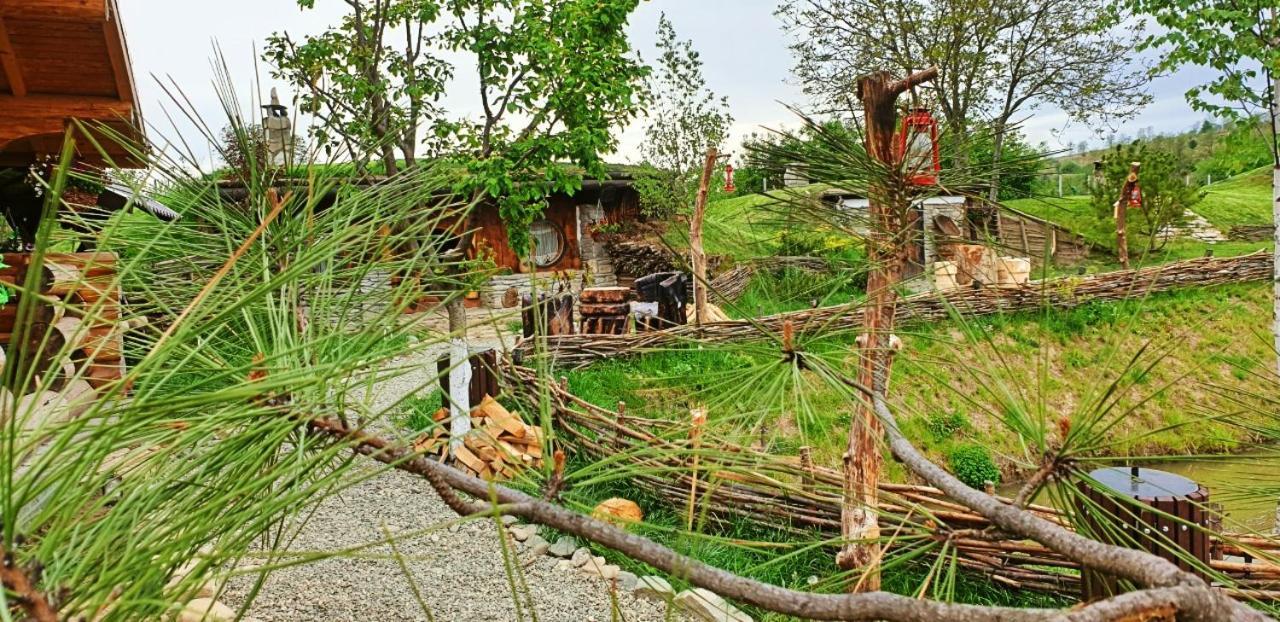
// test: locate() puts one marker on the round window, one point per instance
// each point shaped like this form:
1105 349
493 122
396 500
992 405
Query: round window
548 243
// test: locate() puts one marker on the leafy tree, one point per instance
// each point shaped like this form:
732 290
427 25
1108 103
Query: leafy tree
369 96
1166 196
685 120
996 58
1240 39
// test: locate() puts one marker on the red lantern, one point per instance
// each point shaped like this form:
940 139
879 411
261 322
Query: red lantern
918 147
728 179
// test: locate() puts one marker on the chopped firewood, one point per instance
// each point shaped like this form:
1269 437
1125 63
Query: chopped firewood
491 409
499 445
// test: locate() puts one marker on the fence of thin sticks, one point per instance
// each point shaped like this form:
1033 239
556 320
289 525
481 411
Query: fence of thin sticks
732 283
791 494
573 351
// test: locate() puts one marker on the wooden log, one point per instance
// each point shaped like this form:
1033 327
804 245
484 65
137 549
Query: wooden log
604 295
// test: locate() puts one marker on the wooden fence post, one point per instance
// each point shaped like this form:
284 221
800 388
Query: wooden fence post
698 417
697 253
887 251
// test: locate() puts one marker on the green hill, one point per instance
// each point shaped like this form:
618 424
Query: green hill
1207 349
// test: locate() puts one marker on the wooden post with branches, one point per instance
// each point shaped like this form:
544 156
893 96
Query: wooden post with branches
697 254
1130 195
888 247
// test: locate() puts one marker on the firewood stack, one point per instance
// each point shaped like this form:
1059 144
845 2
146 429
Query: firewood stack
90 319
499 446
604 310
637 258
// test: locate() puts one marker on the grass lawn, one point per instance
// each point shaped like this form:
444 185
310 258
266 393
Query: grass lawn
1242 200
952 389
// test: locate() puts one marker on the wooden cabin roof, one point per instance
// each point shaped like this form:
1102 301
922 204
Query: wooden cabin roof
63 60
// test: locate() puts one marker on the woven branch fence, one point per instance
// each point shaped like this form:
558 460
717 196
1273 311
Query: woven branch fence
731 284
573 351
790 494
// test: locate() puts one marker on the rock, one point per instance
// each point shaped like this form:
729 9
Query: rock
707 605
580 557
509 520
598 567
537 546
618 511
206 610
563 547
627 581
565 565
653 587
523 532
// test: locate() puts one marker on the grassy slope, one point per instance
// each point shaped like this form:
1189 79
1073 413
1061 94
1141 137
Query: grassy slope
1055 362
1241 200
742 227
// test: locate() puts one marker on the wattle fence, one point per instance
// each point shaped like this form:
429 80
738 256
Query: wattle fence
791 494
574 351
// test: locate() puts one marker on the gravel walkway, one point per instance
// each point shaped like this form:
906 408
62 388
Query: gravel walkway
458 569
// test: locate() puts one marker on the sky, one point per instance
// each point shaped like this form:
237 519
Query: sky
741 43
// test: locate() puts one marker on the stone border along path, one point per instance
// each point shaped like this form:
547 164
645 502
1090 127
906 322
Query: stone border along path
458 569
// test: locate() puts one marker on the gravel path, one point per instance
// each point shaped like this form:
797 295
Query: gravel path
458 569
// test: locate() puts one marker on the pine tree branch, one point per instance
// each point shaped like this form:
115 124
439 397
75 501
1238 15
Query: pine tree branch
1183 596
20 589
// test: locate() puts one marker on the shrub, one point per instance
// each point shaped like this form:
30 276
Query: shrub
944 425
1166 196
973 465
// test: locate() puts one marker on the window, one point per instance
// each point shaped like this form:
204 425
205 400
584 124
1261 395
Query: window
548 243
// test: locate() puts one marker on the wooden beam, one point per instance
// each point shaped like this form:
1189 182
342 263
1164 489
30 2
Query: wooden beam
34 115
77 10
9 62
113 34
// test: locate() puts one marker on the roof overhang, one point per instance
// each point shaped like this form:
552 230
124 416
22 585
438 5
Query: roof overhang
63 61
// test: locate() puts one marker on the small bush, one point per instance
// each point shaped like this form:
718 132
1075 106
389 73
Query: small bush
944 425
973 465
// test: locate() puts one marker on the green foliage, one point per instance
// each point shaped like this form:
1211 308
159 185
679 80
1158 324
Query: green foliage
973 465
555 78
1237 39
685 120
1245 146
368 86
1166 196
944 425
1019 165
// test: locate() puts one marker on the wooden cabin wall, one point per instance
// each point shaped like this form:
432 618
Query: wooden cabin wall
491 235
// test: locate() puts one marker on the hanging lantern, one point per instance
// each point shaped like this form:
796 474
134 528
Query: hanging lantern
918 147
728 179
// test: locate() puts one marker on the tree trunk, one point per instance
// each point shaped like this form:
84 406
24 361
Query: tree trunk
697 254
887 251
1275 205
459 374
997 152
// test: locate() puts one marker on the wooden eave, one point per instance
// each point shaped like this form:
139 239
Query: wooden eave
63 61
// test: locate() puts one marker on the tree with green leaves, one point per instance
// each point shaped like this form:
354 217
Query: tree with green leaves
1240 40
998 59
685 120
370 82
1166 196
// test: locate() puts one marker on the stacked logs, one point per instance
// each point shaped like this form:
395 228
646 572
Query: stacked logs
636 258
789 494
604 310
499 446
75 337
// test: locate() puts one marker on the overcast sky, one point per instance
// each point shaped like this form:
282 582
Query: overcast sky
741 42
